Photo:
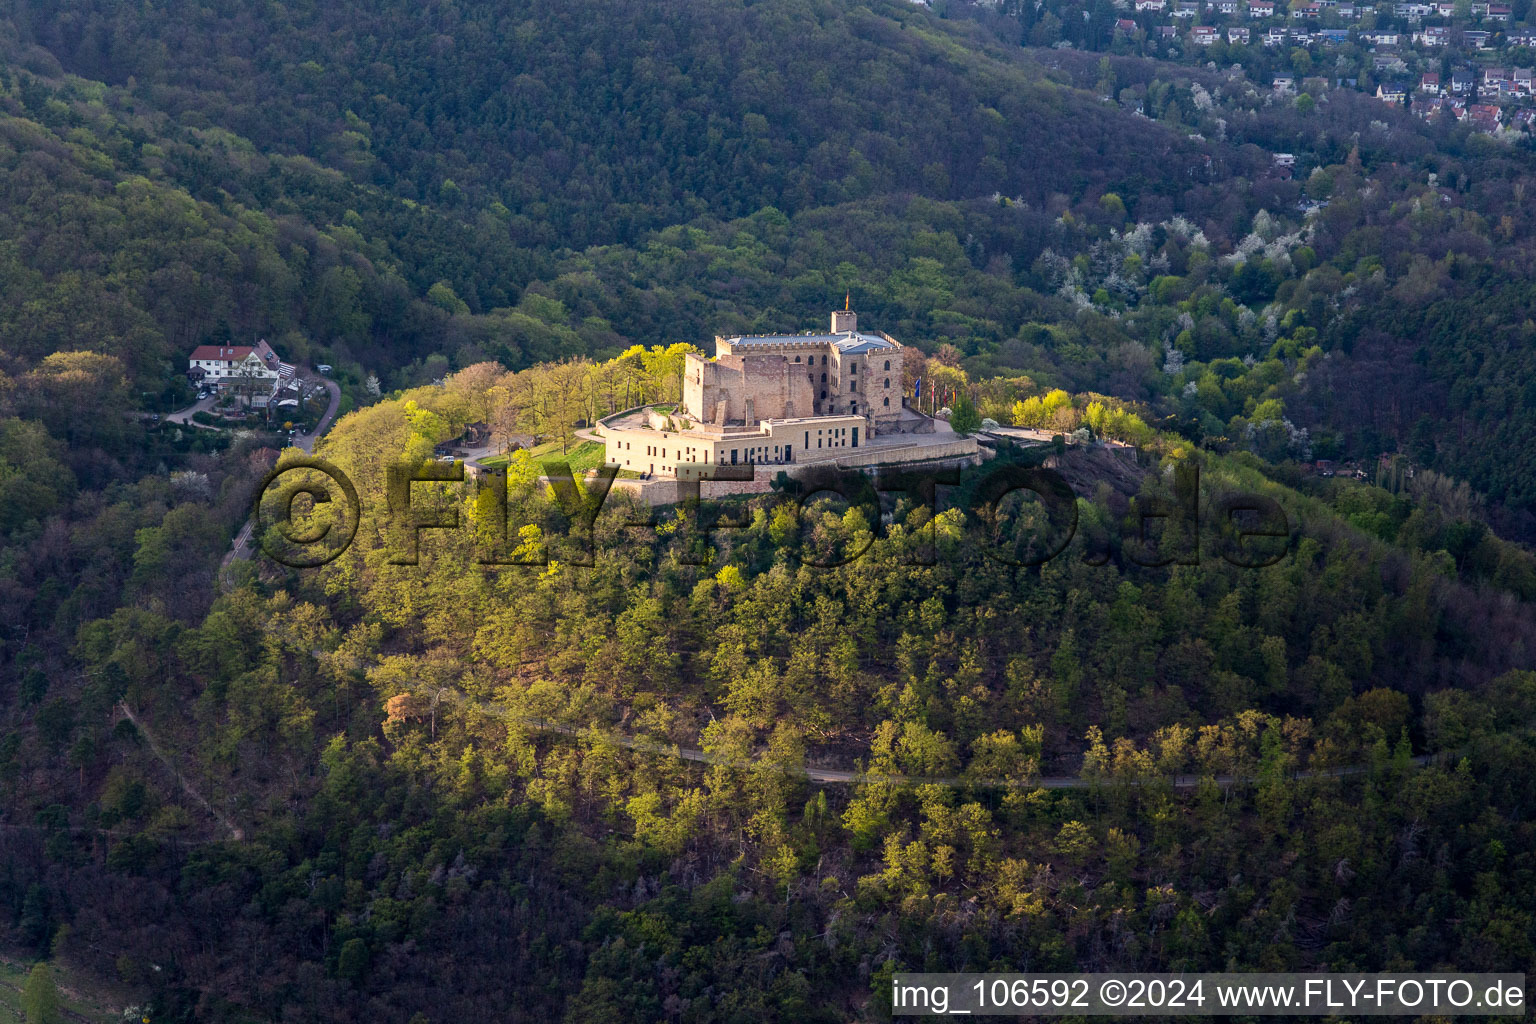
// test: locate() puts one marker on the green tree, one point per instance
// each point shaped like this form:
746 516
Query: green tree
40 997
963 416
443 296
352 961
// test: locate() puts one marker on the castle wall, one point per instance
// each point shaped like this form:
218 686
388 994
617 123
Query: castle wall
753 388
668 490
886 389
865 384
641 449
699 385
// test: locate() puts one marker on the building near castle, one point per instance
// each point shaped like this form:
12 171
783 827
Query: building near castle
774 400
251 370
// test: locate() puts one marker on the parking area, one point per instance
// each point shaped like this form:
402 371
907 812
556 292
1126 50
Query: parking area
184 416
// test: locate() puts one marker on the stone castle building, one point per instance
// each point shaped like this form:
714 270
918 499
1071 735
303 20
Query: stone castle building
774 399
845 372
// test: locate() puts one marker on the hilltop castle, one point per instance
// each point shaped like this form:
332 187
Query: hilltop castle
845 372
778 400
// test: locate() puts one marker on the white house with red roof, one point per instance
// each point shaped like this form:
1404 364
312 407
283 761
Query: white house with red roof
246 369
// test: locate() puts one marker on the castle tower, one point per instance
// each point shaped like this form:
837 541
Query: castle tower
844 320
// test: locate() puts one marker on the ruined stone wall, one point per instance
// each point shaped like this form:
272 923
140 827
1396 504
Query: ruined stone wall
752 388
695 369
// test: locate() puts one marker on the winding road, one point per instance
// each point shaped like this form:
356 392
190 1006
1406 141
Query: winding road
306 442
242 548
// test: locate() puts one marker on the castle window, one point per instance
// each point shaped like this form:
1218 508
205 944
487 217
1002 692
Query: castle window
887 364
797 359
823 360
823 393
887 403
823 378
887 382
853 367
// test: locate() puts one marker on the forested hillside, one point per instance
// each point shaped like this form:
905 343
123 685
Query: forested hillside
412 844
334 805
593 123
722 203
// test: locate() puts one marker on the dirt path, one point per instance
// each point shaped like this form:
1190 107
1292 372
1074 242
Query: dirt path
235 832
841 776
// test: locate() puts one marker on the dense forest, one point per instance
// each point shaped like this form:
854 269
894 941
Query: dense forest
368 730
454 790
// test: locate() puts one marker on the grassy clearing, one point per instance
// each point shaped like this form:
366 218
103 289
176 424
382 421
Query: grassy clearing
582 455
79 995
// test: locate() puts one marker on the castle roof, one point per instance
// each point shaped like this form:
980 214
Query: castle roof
849 342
